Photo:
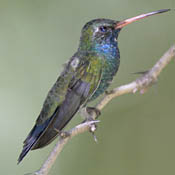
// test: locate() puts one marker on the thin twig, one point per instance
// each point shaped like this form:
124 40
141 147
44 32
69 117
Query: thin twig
140 84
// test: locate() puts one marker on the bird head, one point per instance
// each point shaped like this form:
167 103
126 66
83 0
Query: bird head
102 31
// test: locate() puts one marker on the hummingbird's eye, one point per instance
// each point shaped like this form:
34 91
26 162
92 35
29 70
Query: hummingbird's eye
103 29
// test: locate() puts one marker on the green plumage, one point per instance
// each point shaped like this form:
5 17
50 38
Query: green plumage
86 76
88 70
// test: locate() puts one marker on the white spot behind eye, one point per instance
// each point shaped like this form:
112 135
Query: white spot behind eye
95 30
75 63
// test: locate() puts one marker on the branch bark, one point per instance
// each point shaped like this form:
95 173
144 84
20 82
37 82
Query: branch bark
140 84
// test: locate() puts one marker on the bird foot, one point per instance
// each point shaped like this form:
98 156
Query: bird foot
108 92
90 111
64 134
92 130
92 127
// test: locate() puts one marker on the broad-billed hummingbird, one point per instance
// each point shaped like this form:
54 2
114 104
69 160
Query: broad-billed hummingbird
86 76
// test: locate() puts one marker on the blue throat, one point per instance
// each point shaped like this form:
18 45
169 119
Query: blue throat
108 49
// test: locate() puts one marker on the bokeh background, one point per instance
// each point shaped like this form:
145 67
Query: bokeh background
136 132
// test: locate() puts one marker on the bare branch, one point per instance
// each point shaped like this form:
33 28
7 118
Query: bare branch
140 84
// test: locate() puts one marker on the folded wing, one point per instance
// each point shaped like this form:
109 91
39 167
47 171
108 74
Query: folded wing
73 88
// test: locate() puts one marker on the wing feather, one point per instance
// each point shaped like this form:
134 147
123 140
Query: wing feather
73 88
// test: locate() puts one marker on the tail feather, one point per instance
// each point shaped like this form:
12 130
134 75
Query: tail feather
32 139
27 148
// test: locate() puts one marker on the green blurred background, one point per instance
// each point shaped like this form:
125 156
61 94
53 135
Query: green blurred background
136 133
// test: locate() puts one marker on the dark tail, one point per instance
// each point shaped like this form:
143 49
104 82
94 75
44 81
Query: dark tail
32 138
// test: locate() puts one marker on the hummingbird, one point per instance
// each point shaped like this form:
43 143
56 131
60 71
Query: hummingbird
86 76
